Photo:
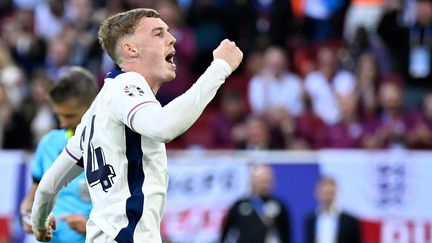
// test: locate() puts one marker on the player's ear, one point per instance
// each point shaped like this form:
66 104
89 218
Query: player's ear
130 50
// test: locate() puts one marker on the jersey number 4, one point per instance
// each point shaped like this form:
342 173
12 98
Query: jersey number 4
97 171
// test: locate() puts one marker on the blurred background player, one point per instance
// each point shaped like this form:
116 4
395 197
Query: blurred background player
260 217
329 223
70 98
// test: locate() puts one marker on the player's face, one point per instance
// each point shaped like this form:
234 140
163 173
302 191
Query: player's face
69 113
262 181
327 192
155 45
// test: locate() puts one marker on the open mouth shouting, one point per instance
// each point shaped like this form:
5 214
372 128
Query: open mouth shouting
170 59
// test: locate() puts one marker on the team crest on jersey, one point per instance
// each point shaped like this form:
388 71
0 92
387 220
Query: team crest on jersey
133 90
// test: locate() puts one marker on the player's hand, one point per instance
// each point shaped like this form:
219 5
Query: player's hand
228 51
77 222
25 214
46 235
25 220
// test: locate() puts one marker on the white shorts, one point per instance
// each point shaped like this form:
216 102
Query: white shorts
95 235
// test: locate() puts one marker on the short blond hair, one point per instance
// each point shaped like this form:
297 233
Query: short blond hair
120 25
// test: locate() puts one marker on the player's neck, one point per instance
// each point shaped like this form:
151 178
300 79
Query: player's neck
154 86
134 67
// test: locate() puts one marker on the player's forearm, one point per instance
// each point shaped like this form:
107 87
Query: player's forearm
166 123
42 207
62 171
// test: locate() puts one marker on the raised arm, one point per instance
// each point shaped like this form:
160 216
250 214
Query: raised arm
165 123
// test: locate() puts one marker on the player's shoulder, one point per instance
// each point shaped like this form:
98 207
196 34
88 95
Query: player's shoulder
131 83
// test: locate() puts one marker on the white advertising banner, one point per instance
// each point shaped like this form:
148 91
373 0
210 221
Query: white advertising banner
9 177
389 191
199 194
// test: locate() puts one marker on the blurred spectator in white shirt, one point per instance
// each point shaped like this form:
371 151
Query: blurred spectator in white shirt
274 87
362 13
323 84
49 18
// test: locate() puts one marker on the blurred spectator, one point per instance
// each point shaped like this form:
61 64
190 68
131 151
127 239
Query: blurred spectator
81 33
17 34
328 80
393 123
25 4
368 78
303 61
239 81
14 131
323 20
14 81
37 110
185 47
260 217
330 223
267 20
274 88
228 128
103 9
84 49
209 24
259 136
79 12
420 136
365 42
362 13
49 18
276 94
348 132
58 57
310 130
410 48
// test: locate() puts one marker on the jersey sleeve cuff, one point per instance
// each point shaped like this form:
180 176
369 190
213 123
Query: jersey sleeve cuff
224 65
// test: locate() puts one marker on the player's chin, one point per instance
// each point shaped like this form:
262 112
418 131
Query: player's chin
170 75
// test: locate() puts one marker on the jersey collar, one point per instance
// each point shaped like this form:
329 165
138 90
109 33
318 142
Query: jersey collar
113 73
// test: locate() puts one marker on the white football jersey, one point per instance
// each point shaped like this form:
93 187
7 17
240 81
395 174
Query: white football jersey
127 171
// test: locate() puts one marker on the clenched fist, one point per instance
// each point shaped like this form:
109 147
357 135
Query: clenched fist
46 235
228 51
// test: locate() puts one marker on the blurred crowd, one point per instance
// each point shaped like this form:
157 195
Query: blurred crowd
316 74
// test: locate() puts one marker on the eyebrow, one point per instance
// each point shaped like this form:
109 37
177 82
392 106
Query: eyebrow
160 29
